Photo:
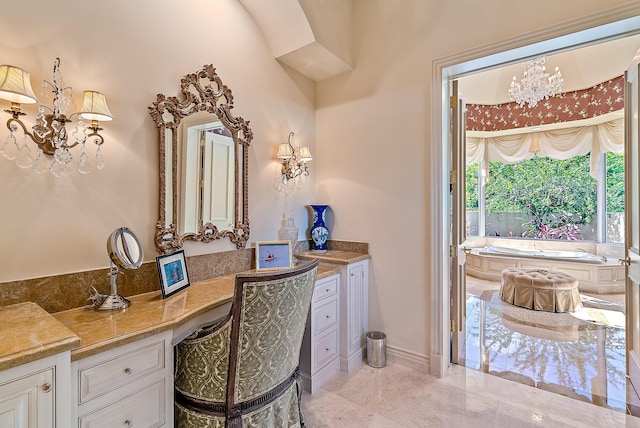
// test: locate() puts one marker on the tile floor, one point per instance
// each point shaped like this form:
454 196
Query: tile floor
579 355
526 369
397 396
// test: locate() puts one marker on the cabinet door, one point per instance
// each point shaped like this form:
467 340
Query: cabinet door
357 305
28 402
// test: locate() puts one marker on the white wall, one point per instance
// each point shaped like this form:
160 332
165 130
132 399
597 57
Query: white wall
373 133
131 51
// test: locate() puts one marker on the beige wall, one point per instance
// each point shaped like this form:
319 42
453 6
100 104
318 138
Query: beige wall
131 51
368 129
373 131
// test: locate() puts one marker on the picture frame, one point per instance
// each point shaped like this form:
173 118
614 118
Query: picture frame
273 255
172 270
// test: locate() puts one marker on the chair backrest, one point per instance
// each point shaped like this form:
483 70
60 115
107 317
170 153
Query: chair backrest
268 320
243 370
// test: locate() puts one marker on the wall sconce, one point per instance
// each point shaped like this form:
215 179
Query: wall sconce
49 132
294 163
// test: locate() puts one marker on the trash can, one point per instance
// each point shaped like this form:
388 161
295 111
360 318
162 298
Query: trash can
376 349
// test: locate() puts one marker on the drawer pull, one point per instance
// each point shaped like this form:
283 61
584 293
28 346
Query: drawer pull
128 371
46 387
328 289
327 349
127 423
328 317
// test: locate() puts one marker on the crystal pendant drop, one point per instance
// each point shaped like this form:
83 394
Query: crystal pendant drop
9 148
99 158
24 158
40 163
84 165
60 165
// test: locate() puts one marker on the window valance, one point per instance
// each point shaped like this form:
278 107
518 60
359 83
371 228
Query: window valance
555 144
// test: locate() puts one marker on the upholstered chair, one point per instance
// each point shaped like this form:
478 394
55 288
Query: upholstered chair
243 370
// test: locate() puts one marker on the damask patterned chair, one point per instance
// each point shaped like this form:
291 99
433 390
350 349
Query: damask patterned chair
243 370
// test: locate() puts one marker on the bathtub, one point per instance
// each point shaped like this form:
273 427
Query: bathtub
573 256
595 274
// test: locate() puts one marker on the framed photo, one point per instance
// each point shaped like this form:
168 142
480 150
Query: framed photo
273 255
172 270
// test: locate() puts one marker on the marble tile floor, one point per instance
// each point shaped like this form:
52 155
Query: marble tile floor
575 355
398 396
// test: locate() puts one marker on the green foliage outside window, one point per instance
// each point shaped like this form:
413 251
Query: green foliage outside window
471 181
615 183
557 195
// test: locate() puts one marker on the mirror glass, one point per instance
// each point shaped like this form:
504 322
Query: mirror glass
206 174
203 164
124 249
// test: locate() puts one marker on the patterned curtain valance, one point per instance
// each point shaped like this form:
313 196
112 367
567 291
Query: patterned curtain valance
566 107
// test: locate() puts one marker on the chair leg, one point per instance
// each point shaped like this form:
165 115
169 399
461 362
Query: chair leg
299 393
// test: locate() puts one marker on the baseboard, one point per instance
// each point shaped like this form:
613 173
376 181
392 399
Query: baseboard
311 385
408 359
355 360
436 366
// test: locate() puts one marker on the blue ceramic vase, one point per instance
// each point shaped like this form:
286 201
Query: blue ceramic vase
319 231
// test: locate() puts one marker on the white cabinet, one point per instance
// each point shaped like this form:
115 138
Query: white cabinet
34 395
319 359
128 386
355 314
353 291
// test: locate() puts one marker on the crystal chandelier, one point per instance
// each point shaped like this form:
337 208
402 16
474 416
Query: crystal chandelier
49 132
294 171
536 83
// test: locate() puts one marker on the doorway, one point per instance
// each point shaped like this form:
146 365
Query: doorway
452 68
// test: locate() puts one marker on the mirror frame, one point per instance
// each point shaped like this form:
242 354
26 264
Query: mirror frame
167 113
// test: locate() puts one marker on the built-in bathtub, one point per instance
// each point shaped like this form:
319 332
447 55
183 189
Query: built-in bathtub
595 274
560 255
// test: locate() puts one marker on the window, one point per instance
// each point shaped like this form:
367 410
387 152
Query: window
543 198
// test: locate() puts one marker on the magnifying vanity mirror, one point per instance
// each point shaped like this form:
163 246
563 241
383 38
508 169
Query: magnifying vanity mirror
203 164
125 252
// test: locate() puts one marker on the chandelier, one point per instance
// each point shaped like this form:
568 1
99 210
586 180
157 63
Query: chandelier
49 132
294 164
536 83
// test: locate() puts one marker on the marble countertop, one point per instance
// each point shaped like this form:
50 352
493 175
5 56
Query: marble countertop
334 256
148 314
30 333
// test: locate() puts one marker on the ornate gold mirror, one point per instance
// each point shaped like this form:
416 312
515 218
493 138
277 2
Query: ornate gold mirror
203 164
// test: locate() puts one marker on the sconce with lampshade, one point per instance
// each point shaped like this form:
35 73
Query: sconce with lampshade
49 132
294 162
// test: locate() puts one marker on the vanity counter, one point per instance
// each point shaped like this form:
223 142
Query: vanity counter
29 333
334 256
148 314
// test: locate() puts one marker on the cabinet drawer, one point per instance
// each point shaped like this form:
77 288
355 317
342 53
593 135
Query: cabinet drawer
325 288
144 408
325 316
110 375
325 349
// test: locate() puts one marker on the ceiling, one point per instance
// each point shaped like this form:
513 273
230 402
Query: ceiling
581 68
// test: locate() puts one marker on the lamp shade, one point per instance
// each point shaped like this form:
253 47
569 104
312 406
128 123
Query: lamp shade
305 154
285 151
94 107
15 85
